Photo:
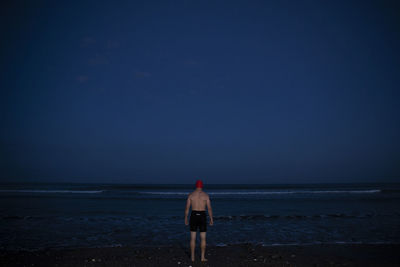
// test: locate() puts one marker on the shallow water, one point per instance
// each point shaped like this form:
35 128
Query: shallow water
36 216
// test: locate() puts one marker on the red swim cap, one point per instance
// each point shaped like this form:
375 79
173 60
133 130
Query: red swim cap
199 184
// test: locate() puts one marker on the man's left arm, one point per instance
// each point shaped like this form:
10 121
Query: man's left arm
210 213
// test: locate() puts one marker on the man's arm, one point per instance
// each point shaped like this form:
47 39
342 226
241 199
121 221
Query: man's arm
210 211
187 210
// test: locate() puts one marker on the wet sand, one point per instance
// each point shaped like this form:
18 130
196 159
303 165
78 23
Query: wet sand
233 255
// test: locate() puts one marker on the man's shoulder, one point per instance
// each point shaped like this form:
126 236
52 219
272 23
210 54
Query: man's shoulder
192 194
205 194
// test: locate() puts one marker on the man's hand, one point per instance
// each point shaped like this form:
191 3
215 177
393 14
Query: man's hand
186 221
211 222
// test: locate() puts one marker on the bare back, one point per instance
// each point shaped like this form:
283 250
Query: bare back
198 200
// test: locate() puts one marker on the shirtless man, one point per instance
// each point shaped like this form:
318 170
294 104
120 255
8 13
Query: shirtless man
198 199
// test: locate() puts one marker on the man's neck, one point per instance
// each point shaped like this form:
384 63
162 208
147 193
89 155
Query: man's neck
199 189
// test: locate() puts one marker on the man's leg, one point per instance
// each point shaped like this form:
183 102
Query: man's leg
192 244
203 246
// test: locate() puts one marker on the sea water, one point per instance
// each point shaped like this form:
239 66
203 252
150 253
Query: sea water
35 216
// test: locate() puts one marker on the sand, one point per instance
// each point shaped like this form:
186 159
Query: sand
232 255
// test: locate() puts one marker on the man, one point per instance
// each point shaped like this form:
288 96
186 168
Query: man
198 199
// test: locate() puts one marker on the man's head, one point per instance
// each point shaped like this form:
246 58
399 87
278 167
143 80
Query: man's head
199 184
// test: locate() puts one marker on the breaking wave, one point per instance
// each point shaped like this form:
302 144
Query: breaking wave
373 191
53 191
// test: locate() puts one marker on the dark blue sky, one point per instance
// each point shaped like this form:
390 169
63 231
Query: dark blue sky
168 91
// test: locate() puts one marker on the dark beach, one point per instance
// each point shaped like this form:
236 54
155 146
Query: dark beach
233 255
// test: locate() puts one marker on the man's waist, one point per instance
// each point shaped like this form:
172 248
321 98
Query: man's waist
199 211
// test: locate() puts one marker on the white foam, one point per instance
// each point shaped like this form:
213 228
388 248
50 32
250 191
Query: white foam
271 192
164 193
53 191
330 243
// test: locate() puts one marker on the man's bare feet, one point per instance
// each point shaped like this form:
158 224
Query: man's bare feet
193 259
204 259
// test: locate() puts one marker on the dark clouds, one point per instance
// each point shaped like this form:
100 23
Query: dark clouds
228 91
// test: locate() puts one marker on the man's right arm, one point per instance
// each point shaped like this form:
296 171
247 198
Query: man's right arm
187 210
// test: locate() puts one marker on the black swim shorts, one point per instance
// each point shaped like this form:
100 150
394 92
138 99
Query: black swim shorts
198 220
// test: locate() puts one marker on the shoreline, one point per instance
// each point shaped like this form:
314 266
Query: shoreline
230 255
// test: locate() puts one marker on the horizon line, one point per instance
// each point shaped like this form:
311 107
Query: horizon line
152 183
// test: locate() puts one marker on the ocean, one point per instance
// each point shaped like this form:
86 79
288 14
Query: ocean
43 215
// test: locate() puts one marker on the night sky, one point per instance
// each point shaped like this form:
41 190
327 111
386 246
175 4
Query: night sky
225 91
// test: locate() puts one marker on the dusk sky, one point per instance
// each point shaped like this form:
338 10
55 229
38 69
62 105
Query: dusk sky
225 91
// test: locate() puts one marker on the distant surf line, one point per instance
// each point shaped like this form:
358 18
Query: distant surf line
53 191
372 191
271 192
